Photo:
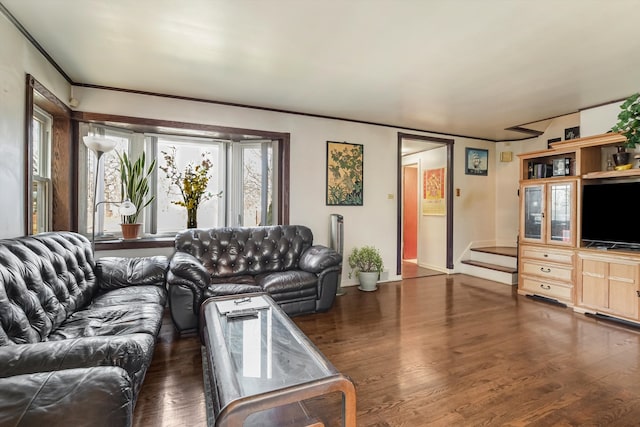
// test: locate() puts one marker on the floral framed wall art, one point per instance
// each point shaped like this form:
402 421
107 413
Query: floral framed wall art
344 185
476 161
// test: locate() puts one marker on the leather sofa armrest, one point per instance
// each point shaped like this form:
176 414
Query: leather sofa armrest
318 258
100 396
132 352
119 272
185 269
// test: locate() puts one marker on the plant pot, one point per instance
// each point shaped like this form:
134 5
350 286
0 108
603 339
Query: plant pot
621 158
130 231
368 281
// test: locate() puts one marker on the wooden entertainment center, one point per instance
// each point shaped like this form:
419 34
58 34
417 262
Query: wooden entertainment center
555 264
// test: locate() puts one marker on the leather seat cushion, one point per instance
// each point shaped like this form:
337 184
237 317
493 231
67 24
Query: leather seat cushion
113 320
221 289
147 294
292 281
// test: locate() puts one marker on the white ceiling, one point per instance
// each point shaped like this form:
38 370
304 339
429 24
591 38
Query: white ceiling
461 67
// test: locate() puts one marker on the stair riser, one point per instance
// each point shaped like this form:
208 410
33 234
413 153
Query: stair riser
505 261
485 273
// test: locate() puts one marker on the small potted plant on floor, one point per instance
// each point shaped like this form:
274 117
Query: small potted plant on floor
134 187
366 263
629 126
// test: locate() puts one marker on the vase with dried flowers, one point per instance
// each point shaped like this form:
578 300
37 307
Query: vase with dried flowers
192 183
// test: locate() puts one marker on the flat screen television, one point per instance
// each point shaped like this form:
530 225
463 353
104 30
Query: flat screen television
606 206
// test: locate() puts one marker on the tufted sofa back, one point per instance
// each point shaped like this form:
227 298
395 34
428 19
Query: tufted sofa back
232 251
43 279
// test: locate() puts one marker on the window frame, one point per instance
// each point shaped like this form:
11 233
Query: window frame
43 177
63 198
153 126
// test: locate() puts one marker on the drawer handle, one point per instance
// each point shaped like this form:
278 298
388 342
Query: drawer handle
545 270
547 287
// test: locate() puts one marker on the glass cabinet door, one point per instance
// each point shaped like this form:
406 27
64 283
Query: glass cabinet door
560 212
533 212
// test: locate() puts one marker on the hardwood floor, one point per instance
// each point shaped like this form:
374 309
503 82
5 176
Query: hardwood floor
442 351
411 270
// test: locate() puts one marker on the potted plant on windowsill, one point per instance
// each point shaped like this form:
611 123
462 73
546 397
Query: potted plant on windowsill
134 187
628 125
366 263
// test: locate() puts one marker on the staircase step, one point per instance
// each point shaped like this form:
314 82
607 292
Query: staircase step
491 266
509 251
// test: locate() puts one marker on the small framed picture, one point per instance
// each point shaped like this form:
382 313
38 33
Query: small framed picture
561 167
552 140
476 161
572 133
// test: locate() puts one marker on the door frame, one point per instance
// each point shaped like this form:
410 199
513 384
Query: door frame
449 194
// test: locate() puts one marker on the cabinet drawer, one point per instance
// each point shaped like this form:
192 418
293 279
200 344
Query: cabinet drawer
623 272
541 287
543 254
604 269
550 271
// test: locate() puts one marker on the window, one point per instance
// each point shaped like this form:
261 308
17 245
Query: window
49 199
250 186
171 217
104 182
242 175
41 171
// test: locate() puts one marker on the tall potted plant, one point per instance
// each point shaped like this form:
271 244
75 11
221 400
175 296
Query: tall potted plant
628 125
134 186
366 263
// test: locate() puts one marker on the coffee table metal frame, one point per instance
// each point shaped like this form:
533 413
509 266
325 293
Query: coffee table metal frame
233 402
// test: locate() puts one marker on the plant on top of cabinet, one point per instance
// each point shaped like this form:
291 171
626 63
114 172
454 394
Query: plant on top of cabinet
629 120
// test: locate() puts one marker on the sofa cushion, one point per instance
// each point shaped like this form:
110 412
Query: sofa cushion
220 289
149 294
116 272
97 397
132 352
289 281
111 320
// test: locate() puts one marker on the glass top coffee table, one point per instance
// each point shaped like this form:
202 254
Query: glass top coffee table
261 366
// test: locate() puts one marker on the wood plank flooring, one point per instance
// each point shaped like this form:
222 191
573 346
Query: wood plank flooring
411 270
440 351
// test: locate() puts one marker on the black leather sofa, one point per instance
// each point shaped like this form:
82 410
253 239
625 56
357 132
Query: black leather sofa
280 260
76 335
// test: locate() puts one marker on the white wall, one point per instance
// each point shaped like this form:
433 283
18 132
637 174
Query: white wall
599 120
17 59
507 192
474 211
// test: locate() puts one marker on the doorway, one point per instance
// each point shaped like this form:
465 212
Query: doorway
411 231
410 212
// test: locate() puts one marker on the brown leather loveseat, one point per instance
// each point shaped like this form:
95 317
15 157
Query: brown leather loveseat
280 260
